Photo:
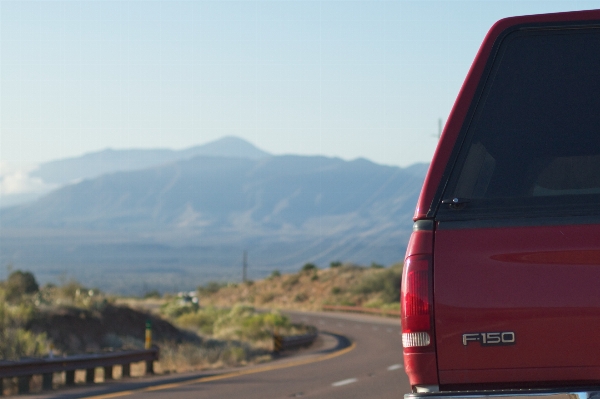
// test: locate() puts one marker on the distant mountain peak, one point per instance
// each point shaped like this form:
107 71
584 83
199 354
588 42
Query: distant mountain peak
228 146
109 160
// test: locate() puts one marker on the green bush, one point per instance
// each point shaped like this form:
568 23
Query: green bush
15 341
335 264
308 267
203 319
275 273
386 282
18 284
240 322
175 308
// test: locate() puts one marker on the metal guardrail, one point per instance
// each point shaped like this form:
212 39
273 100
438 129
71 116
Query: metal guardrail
27 368
281 343
358 309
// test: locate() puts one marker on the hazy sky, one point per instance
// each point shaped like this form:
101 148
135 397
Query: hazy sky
338 78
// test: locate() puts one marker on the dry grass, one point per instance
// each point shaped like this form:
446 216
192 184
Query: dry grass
309 290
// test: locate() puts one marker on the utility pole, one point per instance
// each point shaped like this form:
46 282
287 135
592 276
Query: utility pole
245 267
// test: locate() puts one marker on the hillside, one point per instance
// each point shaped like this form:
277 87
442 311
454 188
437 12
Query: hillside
310 289
173 227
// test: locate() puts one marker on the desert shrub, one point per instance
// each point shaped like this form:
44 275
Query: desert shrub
203 319
262 325
348 267
15 341
335 264
385 282
71 289
376 266
300 297
175 308
314 277
267 297
275 273
240 322
211 287
291 281
336 290
234 355
308 267
18 284
152 294
185 357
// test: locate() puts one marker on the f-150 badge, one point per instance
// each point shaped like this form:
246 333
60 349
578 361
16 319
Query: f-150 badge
490 338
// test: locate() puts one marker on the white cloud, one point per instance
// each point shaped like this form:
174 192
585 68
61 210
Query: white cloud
15 179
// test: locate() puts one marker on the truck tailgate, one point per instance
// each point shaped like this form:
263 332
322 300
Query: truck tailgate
538 280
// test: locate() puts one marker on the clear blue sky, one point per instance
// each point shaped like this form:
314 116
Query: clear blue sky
337 78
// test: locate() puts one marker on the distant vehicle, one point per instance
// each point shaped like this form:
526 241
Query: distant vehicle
501 285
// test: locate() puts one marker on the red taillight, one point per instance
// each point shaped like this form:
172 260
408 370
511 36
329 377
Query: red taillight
416 299
416 302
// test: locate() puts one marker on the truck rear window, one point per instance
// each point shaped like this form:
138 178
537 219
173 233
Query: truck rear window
534 139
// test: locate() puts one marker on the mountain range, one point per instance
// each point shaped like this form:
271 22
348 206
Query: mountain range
134 220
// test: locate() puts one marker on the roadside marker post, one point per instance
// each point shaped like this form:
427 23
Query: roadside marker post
277 343
148 345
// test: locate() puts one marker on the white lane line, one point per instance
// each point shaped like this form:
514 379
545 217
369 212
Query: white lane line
394 367
344 382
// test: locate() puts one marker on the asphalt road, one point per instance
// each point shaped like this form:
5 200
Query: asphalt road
369 366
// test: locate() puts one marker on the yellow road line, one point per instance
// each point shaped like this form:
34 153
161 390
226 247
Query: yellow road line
260 369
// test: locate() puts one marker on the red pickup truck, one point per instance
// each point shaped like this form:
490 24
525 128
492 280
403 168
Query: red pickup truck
501 284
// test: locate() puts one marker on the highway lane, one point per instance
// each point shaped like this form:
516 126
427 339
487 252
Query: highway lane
370 368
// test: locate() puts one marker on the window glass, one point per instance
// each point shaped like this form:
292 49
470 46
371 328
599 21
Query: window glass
535 134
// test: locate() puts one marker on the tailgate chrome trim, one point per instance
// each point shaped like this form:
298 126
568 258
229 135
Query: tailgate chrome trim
576 393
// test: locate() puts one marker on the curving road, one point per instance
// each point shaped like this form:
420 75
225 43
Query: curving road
369 366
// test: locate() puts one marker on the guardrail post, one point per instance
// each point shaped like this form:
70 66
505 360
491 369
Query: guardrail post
150 367
24 383
126 370
108 373
70 377
47 381
277 343
21 372
90 375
